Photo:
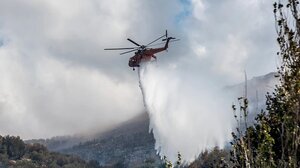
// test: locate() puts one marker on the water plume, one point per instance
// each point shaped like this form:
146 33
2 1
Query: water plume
187 114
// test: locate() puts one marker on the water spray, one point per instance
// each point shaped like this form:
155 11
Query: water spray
184 117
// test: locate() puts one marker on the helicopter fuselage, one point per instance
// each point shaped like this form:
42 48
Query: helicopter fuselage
145 55
135 60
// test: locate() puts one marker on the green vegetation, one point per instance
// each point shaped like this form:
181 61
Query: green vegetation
215 158
168 164
274 140
15 153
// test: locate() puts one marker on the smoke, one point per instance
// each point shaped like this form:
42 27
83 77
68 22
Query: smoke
47 97
188 113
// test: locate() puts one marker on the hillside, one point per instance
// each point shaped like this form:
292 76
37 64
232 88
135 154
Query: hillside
257 88
59 143
15 153
131 144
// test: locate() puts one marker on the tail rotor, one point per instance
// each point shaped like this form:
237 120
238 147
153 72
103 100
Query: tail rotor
167 36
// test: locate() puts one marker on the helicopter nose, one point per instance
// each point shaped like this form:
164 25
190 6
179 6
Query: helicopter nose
131 63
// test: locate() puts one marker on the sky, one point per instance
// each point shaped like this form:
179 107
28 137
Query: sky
56 79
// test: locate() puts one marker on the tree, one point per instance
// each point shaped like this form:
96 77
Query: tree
13 146
274 140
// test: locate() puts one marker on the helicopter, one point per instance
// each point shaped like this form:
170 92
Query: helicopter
142 52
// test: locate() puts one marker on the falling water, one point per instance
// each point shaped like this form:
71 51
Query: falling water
186 115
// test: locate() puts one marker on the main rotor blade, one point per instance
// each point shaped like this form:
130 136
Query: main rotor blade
133 42
163 43
127 48
156 39
128 51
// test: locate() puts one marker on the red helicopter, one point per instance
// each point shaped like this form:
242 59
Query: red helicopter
142 52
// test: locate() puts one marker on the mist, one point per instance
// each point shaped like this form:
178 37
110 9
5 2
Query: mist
187 113
49 98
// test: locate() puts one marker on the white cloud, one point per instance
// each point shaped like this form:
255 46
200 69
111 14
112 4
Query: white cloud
198 9
48 97
200 51
231 57
243 31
